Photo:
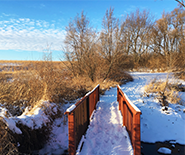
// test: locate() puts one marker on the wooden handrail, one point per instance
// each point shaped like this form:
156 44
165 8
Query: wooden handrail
79 117
131 119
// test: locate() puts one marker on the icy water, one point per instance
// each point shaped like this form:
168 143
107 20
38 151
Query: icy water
151 148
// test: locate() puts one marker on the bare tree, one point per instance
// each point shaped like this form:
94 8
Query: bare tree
168 35
80 46
111 44
137 32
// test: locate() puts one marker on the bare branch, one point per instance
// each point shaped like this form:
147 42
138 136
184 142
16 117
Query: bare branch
181 2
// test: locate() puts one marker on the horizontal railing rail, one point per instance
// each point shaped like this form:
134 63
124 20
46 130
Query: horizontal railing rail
131 119
79 117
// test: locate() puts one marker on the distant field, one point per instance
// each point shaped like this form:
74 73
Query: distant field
12 65
15 62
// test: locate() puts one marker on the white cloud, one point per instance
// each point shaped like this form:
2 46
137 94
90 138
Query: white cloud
4 14
21 19
29 35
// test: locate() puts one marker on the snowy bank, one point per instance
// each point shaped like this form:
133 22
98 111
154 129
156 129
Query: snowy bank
156 124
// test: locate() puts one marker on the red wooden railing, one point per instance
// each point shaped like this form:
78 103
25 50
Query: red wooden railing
131 119
79 118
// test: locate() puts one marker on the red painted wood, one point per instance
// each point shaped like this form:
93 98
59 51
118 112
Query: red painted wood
71 134
81 113
131 119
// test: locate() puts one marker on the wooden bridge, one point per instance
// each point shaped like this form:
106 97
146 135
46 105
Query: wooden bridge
79 118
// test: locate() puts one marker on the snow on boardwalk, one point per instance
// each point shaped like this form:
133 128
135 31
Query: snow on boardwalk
106 135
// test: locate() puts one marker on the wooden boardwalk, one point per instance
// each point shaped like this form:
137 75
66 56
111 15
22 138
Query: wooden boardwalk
106 134
107 127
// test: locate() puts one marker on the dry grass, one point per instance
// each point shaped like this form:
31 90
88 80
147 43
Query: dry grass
49 80
4 76
7 141
21 88
180 75
164 91
42 80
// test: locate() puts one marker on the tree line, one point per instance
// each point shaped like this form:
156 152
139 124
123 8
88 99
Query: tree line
137 40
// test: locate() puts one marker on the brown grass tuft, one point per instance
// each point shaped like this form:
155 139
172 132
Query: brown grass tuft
180 75
164 91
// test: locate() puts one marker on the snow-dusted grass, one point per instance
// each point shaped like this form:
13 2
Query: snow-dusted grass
166 92
105 132
31 129
38 117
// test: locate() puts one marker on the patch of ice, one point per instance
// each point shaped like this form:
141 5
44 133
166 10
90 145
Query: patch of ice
164 150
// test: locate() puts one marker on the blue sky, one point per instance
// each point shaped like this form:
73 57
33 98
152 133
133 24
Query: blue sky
30 27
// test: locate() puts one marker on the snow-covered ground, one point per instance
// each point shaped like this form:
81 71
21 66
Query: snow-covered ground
106 132
10 64
156 124
34 119
58 141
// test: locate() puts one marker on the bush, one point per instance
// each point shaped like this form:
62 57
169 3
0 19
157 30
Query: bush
165 92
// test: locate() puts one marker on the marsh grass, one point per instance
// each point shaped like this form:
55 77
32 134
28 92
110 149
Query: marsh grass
33 83
21 87
48 80
42 81
164 91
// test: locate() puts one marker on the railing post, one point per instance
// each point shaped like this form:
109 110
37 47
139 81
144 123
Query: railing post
71 131
136 141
